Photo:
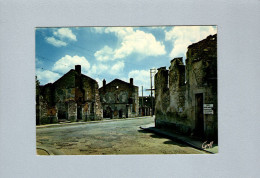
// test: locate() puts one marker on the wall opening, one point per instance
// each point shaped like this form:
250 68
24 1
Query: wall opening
79 113
120 113
126 113
63 112
199 117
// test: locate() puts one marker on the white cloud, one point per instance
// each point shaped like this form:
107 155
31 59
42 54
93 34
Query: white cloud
120 32
105 54
65 33
131 41
105 70
46 76
61 36
98 29
93 70
141 78
55 42
183 36
141 43
103 67
68 62
117 68
97 69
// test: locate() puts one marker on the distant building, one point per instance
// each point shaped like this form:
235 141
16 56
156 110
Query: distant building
145 105
119 99
186 95
73 97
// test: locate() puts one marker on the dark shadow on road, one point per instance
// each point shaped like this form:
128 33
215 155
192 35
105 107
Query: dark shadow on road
143 131
171 141
155 135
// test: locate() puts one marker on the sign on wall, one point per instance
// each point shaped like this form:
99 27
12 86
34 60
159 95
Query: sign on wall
208 109
210 106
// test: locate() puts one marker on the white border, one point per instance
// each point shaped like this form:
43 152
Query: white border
238 95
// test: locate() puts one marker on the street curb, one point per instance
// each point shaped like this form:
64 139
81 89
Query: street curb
174 138
87 122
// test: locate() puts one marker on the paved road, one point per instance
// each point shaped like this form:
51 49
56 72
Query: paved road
111 137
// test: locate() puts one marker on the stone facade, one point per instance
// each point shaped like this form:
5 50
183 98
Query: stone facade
119 99
73 97
189 106
145 105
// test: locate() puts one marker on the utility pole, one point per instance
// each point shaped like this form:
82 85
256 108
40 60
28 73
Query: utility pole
142 96
142 102
151 81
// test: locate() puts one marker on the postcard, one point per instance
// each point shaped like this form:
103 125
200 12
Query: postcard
126 90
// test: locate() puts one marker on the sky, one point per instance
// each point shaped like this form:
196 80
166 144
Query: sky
112 52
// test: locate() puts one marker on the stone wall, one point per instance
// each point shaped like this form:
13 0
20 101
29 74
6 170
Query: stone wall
179 103
74 96
98 106
72 111
92 106
201 68
170 98
46 114
119 99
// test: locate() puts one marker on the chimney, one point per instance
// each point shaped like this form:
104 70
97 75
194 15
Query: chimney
131 81
104 82
78 69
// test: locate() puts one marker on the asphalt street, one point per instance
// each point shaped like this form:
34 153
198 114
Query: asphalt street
106 138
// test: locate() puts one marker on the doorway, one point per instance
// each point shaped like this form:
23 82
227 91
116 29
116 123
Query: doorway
199 120
79 113
120 113
126 113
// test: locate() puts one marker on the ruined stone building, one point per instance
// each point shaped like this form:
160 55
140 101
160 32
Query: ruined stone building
145 105
73 97
119 99
186 95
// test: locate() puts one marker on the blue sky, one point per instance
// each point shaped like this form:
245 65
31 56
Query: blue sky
112 52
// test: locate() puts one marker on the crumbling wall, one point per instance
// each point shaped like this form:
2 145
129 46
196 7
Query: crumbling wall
135 96
162 99
177 86
92 106
170 97
47 113
176 103
201 68
65 87
74 96
63 93
72 111
98 106
119 99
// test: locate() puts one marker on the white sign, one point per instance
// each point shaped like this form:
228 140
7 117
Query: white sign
208 106
208 111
